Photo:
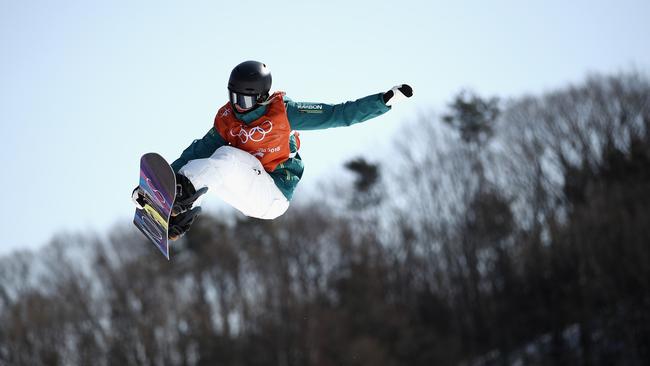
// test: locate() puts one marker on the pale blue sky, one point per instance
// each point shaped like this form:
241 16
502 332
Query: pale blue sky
86 87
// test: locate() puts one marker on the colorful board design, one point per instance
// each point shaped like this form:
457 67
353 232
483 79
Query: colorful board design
158 183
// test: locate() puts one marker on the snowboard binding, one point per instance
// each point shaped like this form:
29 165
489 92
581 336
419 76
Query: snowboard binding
183 214
186 195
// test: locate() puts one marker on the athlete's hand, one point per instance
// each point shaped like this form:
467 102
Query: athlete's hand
397 93
138 198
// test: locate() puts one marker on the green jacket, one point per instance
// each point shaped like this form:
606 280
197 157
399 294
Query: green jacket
302 116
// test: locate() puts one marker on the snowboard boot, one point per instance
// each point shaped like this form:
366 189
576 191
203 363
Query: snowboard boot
186 195
180 224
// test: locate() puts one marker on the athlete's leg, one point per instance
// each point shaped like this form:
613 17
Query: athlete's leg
239 179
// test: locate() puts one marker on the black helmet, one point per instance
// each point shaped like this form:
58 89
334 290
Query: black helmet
249 84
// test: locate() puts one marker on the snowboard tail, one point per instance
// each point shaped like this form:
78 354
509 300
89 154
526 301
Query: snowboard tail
158 185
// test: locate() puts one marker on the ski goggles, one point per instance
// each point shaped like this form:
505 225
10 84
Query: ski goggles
244 101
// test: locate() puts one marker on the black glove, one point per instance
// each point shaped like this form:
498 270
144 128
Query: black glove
397 93
138 198
185 195
180 224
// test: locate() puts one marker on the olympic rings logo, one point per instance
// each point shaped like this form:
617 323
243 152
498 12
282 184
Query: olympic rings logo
255 134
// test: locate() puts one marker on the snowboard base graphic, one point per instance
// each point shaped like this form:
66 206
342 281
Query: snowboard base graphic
158 185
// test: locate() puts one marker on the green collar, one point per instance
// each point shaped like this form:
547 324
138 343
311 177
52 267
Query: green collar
251 116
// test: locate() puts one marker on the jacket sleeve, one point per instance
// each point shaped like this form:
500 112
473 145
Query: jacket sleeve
318 116
200 149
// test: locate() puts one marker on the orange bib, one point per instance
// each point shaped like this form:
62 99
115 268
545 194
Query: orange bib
266 138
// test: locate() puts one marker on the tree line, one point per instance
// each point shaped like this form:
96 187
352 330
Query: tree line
498 232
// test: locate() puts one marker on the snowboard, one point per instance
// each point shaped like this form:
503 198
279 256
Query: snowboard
158 186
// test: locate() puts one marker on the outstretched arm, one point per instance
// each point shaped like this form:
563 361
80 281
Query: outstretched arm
317 116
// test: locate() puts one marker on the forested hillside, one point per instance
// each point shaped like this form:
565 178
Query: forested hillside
499 232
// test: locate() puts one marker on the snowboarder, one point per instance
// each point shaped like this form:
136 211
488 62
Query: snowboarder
249 158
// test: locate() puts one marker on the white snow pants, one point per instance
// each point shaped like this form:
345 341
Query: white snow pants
239 179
